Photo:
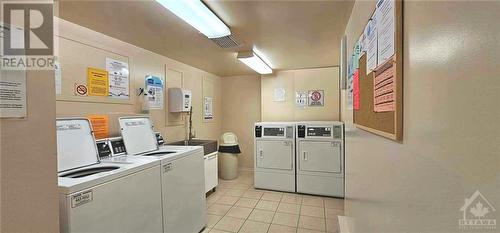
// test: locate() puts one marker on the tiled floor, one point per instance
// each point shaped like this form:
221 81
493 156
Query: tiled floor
237 207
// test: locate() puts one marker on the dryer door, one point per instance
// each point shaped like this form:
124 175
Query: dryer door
274 154
317 156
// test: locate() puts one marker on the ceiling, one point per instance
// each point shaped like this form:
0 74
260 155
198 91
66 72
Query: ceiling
292 34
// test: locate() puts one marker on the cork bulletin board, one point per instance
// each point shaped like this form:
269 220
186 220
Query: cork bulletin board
380 115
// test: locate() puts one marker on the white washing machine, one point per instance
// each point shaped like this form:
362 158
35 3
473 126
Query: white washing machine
182 175
274 160
97 196
320 158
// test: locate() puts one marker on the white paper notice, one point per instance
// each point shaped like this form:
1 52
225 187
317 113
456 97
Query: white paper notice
13 94
279 94
371 44
58 77
301 99
208 112
385 30
118 75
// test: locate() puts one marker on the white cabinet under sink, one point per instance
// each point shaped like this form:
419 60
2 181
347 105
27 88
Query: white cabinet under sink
211 177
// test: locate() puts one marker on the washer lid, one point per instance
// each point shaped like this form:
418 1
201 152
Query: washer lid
138 135
75 144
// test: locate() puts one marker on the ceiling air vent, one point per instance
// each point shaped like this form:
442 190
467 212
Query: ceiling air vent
226 42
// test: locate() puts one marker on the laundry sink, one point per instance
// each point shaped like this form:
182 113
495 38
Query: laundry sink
209 146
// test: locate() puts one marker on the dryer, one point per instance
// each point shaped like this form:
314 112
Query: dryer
320 158
274 156
99 196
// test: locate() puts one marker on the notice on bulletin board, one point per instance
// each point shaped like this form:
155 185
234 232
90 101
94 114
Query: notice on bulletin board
118 78
355 90
208 109
154 89
100 125
371 44
97 82
383 88
385 13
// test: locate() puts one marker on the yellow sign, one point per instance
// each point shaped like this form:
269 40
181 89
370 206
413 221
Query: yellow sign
97 82
100 125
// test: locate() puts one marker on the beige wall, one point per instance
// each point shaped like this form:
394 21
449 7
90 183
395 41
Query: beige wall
451 130
326 79
241 109
29 199
80 48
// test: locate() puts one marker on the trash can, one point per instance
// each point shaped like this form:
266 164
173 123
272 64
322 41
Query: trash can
228 156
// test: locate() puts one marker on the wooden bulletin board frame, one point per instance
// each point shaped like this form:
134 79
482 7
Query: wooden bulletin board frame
385 124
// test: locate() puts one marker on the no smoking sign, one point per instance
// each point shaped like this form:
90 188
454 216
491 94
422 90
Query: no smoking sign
316 98
81 89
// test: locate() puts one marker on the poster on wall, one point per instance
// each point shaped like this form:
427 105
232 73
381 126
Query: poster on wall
316 98
349 85
279 94
100 125
208 109
355 90
154 89
97 82
383 88
301 99
13 94
118 74
371 44
385 29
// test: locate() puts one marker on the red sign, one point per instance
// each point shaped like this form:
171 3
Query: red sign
81 89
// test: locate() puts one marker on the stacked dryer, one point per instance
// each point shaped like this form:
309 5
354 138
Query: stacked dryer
303 157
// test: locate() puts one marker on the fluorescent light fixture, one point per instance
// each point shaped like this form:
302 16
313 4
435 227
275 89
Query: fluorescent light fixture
195 13
253 61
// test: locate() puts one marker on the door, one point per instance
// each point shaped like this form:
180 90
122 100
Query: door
275 154
317 156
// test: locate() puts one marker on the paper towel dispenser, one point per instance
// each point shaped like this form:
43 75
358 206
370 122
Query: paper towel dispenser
179 100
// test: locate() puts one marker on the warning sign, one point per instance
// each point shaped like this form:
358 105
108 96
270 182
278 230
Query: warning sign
100 125
97 81
81 89
316 98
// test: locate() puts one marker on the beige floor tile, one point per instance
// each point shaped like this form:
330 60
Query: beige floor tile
212 219
332 226
333 213
261 216
218 209
312 223
247 202
268 196
254 227
225 184
312 201
235 192
286 219
288 208
227 200
292 198
334 203
302 230
267 205
253 194
221 190
241 186
218 231
229 224
312 211
281 229
239 212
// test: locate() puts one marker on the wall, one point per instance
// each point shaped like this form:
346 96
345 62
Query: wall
241 110
326 79
451 131
81 47
29 196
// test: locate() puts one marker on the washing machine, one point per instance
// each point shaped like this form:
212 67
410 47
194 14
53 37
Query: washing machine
274 160
182 175
99 196
320 158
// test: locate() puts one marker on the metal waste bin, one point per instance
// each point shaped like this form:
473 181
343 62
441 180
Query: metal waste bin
228 156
